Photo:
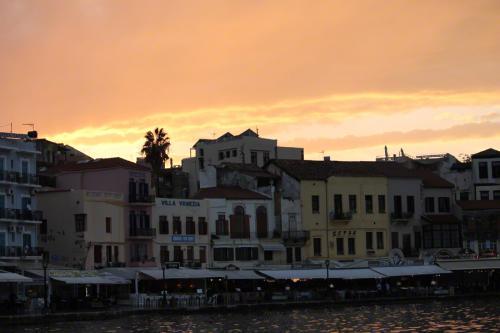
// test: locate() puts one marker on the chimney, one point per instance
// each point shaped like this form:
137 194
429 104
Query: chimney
326 158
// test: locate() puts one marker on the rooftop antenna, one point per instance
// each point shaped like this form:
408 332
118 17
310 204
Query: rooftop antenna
32 126
7 125
257 129
323 152
386 153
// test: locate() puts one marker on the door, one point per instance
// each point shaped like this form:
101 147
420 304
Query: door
27 244
407 245
3 242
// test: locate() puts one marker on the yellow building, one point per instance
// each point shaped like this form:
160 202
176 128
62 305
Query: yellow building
344 205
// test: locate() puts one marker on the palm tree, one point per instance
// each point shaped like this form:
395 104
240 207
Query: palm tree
155 149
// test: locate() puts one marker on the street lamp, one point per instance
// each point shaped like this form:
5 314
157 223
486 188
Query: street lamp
164 297
327 265
45 264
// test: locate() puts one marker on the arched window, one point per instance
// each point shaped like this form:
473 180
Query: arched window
239 211
261 214
240 223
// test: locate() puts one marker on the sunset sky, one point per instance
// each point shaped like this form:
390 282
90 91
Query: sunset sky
343 77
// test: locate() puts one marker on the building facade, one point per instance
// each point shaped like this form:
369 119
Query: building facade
19 217
486 174
83 229
183 234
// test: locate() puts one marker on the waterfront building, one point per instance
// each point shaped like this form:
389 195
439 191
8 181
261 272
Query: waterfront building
243 228
486 174
183 234
480 226
245 148
131 180
83 229
19 217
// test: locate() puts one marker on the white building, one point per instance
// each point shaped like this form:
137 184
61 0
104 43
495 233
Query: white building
245 148
486 174
183 234
19 218
243 228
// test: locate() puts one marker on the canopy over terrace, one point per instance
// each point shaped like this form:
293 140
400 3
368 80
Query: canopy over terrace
469 264
181 274
8 277
394 271
81 277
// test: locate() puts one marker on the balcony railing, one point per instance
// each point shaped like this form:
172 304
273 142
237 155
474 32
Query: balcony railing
401 217
141 198
247 235
142 232
340 216
20 251
20 214
17 177
295 236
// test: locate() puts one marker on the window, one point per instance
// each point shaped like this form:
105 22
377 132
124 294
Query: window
190 253
381 204
228 154
247 253
190 226
340 246
261 215
266 157
202 152
315 204
441 235
495 169
368 204
80 222
444 204
178 255
116 253
268 255
410 204
97 254
464 195
317 247
201 162
109 253
289 255
429 205
177 225
163 224
253 157
108 225
164 254
351 246
394 240
484 195
352 203
224 254
483 170
496 195
202 226
221 225
221 155
380 240
369 240
240 223
43 227
337 204
298 254
203 254
235 153
418 240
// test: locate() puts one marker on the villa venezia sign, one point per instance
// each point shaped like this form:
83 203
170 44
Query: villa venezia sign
182 203
183 238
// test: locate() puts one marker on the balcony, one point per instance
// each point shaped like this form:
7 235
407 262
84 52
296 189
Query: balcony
20 178
295 237
141 199
142 233
401 217
342 217
20 214
19 251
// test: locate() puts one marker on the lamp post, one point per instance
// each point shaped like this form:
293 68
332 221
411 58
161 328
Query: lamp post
164 296
327 265
45 264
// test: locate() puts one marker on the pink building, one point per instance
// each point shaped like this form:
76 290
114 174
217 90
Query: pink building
134 182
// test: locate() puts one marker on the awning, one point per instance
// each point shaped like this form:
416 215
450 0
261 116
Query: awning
128 273
8 277
81 277
240 275
469 264
181 273
303 274
354 274
273 247
392 271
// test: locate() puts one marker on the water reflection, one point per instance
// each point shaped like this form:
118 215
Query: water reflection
437 316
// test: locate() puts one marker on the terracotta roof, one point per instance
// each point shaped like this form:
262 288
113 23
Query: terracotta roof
432 180
247 169
321 170
488 153
230 193
441 219
101 163
479 204
228 136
